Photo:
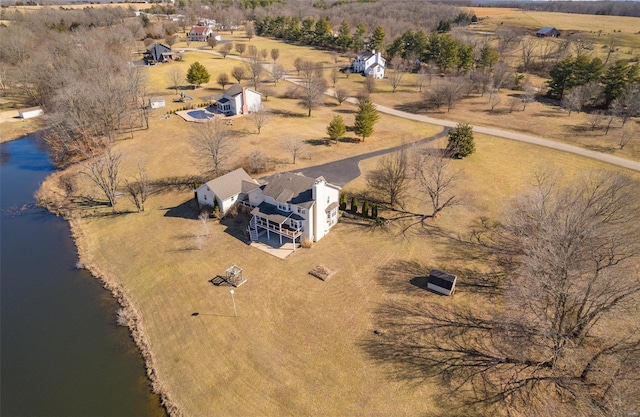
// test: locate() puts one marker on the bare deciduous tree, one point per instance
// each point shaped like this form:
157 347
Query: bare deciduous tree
238 73
212 144
240 48
555 335
423 76
341 95
595 118
104 171
277 71
275 54
259 118
255 70
295 147
333 76
139 188
176 77
626 135
226 49
223 79
399 69
436 178
391 177
312 86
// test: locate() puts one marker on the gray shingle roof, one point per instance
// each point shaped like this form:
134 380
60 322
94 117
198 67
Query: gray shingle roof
229 184
290 188
234 90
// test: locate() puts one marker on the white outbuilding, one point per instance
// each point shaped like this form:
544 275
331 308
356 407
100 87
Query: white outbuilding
31 112
157 102
225 190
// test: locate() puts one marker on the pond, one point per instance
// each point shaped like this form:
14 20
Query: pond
62 353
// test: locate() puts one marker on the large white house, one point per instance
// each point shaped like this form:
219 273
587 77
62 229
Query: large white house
239 100
227 190
199 33
294 207
370 63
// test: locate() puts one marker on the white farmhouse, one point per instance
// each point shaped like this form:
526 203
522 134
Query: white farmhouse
293 206
239 100
226 190
199 33
370 63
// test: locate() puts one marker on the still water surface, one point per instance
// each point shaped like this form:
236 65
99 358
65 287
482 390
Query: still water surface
61 352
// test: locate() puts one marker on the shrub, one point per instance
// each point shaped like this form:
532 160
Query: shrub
365 209
354 205
305 243
343 201
374 212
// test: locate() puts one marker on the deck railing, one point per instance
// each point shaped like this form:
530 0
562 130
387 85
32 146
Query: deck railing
285 230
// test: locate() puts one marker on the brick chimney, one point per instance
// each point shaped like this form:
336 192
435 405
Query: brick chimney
245 107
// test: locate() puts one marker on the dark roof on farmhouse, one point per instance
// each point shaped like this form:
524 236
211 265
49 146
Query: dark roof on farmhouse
545 30
290 188
229 184
234 90
272 213
441 278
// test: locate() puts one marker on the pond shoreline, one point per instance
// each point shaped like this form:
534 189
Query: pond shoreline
51 198
129 312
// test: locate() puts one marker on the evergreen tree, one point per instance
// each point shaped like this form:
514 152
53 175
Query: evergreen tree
377 39
488 57
354 205
365 209
461 141
336 128
197 74
358 37
374 211
343 201
572 72
343 40
366 117
616 78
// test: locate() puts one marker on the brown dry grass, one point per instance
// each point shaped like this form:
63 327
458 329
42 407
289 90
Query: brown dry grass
623 27
294 347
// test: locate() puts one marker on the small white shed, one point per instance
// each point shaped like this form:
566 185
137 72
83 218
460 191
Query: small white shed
157 102
441 282
31 112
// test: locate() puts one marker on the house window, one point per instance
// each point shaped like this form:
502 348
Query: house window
301 210
328 199
205 196
284 207
296 224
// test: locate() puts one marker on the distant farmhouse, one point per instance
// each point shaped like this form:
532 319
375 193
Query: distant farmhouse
292 206
158 52
370 63
199 33
548 32
239 100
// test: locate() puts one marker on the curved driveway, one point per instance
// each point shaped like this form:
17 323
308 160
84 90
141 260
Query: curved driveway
345 170
520 137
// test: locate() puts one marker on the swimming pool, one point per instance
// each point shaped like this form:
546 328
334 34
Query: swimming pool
200 114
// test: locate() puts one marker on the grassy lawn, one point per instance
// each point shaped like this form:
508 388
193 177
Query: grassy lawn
624 28
295 347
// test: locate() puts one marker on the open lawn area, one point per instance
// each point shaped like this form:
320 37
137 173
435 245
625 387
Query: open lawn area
295 347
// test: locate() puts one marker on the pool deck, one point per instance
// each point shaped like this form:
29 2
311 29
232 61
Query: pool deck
185 115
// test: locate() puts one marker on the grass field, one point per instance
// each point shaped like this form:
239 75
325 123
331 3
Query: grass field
597 28
294 348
